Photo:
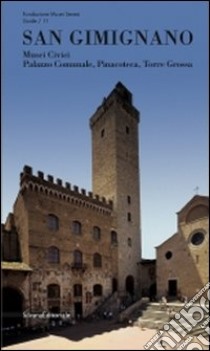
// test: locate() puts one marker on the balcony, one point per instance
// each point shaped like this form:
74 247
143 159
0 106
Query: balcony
78 267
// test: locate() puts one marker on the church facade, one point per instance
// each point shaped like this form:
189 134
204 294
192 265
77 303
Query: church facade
182 260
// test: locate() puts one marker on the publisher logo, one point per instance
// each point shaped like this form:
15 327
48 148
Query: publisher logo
175 334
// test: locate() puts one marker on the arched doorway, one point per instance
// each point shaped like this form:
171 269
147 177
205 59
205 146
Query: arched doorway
129 285
12 306
114 285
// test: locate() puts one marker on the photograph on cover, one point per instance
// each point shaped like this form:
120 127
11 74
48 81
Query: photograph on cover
104 175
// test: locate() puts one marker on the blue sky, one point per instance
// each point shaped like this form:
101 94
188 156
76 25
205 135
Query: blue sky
45 111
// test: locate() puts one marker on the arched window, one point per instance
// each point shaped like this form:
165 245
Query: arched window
53 291
96 233
53 222
77 258
53 255
113 237
77 227
97 260
97 290
77 290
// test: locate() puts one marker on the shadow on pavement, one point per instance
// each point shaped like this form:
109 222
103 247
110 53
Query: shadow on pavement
12 339
77 332
87 329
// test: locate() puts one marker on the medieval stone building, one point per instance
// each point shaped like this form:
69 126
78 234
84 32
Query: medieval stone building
66 250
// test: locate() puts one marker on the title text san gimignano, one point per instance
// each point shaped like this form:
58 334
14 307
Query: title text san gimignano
109 37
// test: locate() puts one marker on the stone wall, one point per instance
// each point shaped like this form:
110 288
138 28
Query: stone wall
41 236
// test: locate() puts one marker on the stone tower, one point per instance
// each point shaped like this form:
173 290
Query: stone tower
115 175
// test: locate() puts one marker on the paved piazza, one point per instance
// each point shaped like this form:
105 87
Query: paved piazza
102 335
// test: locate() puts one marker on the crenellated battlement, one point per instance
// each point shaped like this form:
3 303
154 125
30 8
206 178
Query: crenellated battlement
120 95
63 190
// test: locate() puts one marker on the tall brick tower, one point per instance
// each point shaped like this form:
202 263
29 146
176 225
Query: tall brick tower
115 175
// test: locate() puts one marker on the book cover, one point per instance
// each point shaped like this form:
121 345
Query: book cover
62 64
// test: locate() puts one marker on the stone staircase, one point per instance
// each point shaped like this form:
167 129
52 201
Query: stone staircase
155 317
110 304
